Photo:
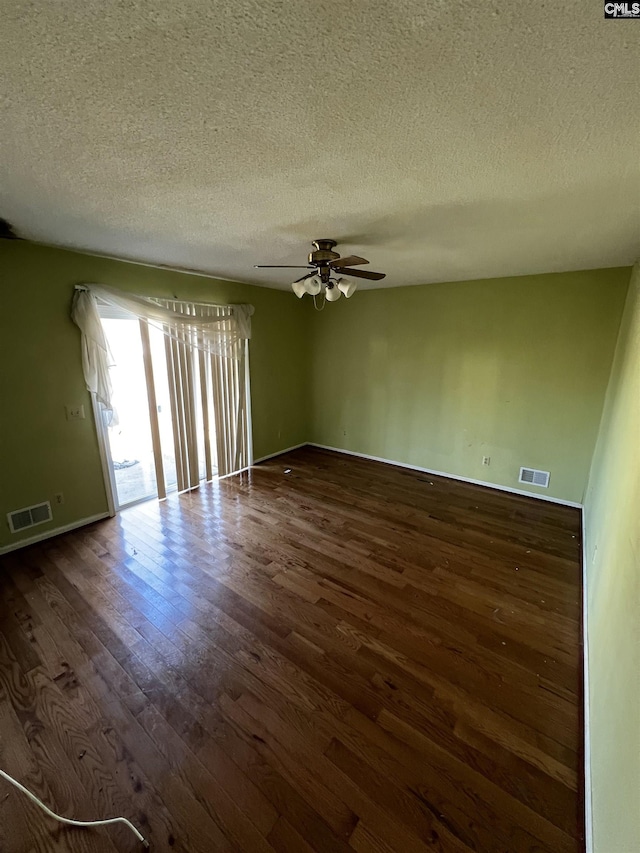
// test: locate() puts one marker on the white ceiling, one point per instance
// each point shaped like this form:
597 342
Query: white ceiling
442 140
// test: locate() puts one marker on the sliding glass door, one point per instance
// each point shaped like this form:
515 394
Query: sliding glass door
180 414
128 429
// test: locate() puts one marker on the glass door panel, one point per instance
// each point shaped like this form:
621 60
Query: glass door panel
161 381
129 432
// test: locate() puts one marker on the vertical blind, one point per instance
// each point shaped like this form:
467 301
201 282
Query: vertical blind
206 351
220 381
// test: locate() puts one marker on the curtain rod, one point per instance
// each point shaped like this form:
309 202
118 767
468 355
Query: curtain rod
83 287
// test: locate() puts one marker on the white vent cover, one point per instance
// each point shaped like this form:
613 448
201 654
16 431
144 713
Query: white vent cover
20 519
534 477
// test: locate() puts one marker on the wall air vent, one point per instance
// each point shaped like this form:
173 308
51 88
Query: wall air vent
534 478
30 516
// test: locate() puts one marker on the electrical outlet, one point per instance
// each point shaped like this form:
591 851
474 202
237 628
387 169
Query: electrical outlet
74 413
486 460
58 498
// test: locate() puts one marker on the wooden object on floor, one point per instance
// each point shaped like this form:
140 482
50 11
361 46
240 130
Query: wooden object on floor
346 657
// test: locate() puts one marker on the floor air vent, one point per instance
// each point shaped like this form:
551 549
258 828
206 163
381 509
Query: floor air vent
534 478
20 519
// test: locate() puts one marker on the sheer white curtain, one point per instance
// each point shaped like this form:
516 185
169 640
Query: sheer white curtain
209 341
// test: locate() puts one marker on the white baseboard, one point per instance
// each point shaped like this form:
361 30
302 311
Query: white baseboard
264 458
56 531
588 812
449 476
280 452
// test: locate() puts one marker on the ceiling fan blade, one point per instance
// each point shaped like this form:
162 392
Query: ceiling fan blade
351 261
308 275
282 267
374 276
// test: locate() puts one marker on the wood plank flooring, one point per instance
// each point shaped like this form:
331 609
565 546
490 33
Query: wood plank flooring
343 657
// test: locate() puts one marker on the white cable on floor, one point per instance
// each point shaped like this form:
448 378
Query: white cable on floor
68 820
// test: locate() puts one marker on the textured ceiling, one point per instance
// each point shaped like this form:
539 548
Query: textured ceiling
442 140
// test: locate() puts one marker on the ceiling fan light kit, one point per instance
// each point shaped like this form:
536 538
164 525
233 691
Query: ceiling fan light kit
347 287
323 262
300 288
332 294
312 286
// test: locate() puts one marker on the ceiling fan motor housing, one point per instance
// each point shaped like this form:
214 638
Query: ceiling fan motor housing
323 253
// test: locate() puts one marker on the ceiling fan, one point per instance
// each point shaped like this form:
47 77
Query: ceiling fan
323 262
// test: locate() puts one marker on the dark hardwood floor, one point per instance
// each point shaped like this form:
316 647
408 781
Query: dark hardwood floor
346 657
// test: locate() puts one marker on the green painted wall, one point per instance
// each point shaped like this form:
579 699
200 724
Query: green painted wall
42 453
435 375
612 550
441 375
